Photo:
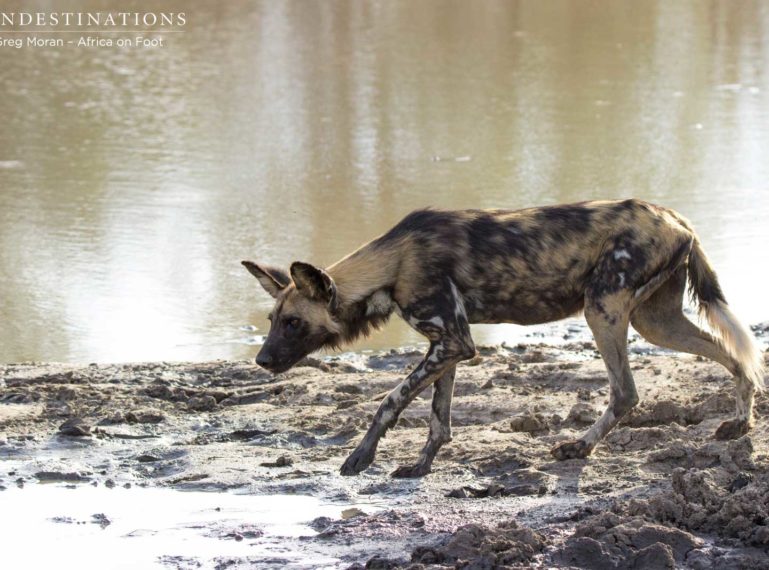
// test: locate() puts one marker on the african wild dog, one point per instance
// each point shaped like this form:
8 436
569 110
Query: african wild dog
620 262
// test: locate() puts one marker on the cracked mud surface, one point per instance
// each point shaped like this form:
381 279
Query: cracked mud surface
659 492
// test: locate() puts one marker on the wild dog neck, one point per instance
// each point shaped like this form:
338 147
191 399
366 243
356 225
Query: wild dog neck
364 281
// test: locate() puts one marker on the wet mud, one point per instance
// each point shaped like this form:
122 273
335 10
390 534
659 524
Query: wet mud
659 492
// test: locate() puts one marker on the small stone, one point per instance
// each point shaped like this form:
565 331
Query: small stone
350 513
147 458
282 461
584 395
495 489
75 427
201 403
742 480
528 423
73 477
582 414
320 524
144 417
101 519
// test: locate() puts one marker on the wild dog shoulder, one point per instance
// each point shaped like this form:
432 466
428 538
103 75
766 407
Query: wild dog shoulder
379 303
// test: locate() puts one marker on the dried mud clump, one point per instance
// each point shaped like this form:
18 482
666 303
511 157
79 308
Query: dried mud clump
475 546
734 507
665 411
471 547
608 542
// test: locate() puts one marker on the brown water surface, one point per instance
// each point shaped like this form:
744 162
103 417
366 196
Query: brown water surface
133 181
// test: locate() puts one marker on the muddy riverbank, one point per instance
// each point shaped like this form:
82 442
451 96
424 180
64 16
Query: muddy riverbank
660 492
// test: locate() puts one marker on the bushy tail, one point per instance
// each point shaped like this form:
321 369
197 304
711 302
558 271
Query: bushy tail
731 334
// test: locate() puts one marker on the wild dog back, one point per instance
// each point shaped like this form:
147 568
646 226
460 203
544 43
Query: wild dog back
531 266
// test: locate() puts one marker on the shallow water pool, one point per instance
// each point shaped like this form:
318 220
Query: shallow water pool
53 526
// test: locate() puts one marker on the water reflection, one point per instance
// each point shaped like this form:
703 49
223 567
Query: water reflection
132 182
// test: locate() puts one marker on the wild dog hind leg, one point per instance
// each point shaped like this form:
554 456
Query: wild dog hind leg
661 321
608 320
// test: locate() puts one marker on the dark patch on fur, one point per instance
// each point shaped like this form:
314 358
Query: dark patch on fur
569 218
356 323
703 282
425 221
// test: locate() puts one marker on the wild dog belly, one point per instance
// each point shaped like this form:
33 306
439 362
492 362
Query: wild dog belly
523 305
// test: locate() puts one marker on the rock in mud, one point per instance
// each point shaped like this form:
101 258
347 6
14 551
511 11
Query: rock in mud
163 392
582 414
202 403
101 519
236 533
352 512
740 481
144 417
70 477
380 563
147 458
282 461
320 524
520 483
528 422
246 398
391 524
75 427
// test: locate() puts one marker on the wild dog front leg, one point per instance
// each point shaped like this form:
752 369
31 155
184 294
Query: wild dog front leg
429 370
441 317
440 427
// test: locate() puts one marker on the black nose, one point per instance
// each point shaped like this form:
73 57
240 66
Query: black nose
264 360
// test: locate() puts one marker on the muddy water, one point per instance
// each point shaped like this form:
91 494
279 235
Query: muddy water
93 528
132 182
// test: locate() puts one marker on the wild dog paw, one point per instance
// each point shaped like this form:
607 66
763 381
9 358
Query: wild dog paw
357 462
732 429
578 449
411 471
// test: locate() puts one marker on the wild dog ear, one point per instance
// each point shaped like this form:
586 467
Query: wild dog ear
273 280
314 282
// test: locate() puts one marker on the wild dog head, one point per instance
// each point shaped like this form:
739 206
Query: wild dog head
302 320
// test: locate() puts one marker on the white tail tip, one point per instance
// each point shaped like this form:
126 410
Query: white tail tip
737 341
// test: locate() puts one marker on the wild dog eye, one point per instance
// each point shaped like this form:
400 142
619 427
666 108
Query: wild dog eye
292 324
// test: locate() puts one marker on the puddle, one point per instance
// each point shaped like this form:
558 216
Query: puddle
53 526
